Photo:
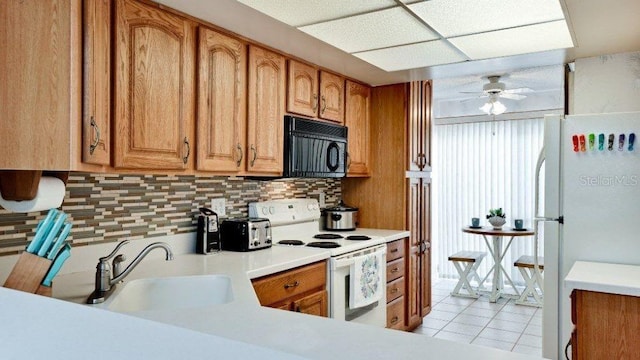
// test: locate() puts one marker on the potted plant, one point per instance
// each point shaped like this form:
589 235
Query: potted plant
496 218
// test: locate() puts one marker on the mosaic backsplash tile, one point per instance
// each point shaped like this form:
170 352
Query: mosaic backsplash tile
110 208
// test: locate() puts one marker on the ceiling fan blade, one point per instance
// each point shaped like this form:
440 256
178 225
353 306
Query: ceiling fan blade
522 90
512 96
471 92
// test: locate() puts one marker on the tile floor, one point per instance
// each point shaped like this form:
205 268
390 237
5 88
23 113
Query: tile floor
503 325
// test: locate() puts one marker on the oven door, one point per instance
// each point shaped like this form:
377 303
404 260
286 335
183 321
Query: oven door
340 289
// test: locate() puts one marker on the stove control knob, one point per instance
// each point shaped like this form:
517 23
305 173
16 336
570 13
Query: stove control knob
268 241
272 210
265 211
256 243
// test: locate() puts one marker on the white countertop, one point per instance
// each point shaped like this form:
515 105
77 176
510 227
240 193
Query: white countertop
239 329
604 277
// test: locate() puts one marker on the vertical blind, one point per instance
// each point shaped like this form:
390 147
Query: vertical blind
479 166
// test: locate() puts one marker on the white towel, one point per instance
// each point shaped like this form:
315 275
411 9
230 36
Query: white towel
366 285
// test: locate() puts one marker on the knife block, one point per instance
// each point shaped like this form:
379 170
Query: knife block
28 273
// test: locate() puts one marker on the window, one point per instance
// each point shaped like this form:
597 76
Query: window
480 165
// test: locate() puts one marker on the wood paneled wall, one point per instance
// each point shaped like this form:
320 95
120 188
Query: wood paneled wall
381 198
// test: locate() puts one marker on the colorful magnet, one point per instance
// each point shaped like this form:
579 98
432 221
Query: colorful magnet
621 142
576 146
592 141
601 142
632 141
612 138
583 143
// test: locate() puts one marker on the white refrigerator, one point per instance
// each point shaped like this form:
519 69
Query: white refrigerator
589 206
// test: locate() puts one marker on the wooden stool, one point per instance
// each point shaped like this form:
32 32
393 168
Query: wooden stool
472 260
533 280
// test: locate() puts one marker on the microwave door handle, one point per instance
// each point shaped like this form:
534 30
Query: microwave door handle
333 148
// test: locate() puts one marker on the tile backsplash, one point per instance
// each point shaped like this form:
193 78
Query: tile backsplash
109 208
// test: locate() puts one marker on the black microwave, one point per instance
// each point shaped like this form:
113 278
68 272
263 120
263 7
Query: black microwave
314 149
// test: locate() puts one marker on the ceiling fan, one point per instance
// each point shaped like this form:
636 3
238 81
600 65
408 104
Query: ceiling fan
495 89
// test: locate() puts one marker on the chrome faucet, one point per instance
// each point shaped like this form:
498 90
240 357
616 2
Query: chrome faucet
105 283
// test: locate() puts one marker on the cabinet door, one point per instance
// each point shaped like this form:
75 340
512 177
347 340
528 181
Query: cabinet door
40 76
314 304
332 97
222 99
419 126
357 120
96 97
302 92
266 112
425 247
154 55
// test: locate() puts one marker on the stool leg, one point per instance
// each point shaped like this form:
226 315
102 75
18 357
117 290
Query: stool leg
531 281
464 280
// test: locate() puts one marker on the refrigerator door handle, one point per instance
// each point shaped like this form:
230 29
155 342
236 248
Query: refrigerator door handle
542 218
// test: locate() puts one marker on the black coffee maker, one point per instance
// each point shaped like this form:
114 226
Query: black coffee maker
208 234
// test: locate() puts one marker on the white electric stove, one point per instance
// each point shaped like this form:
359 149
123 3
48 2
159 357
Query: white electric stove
296 223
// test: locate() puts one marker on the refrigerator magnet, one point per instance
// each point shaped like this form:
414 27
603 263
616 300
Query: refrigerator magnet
576 147
583 143
601 142
592 141
612 138
632 141
621 142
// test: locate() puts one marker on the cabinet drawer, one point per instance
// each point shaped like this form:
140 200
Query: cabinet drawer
280 286
395 269
395 289
395 250
395 314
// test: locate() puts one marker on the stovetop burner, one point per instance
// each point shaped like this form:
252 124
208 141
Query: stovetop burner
328 236
324 244
291 242
358 237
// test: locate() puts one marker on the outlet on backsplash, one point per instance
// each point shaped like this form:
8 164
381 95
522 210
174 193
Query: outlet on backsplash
219 206
322 200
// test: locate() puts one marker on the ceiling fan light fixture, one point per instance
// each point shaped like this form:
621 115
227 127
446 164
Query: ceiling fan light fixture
493 107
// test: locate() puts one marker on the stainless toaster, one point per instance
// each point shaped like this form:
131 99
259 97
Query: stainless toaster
245 234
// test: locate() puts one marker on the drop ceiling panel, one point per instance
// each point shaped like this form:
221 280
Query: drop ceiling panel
463 17
521 40
371 31
412 56
297 12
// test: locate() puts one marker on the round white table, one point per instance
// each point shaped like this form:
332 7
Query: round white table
498 253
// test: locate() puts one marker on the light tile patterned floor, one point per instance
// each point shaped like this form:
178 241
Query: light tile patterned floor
503 325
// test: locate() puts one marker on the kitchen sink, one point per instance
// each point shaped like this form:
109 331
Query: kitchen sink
172 293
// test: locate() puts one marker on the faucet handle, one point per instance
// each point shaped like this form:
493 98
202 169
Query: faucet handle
118 267
113 253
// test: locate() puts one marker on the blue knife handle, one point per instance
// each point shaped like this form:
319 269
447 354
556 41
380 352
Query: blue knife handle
41 232
59 242
52 234
57 264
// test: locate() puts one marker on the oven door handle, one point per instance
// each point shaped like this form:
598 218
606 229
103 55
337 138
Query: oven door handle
348 260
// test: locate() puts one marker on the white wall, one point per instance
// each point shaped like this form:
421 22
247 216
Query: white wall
607 83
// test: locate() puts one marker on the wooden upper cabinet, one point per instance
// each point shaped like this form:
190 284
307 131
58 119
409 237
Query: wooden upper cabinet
222 103
96 97
332 101
419 125
357 120
302 95
154 56
40 77
267 79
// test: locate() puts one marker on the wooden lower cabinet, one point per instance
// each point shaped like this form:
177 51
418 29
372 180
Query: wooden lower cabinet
607 326
303 289
397 285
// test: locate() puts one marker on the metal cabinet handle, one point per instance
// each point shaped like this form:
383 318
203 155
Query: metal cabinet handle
255 155
395 319
95 128
186 144
395 270
239 161
295 283
394 250
315 102
324 105
348 161
394 290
